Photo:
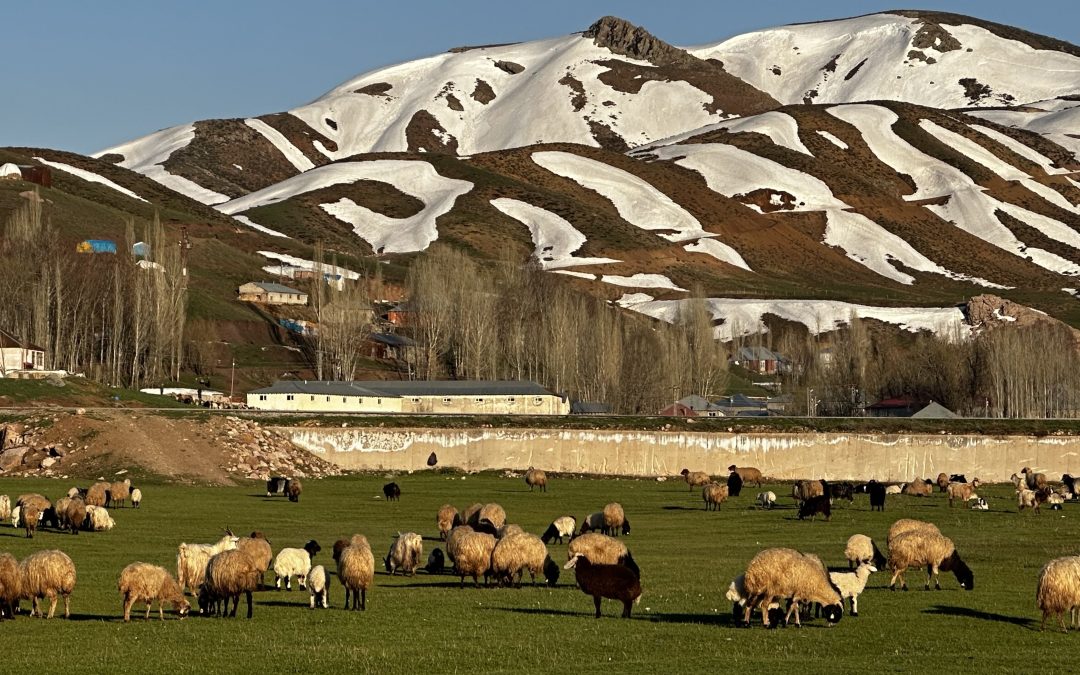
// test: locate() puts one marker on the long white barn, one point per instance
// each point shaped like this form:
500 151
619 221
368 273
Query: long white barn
445 397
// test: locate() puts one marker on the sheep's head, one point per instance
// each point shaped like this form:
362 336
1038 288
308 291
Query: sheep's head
182 607
959 568
731 468
832 613
626 526
684 472
572 563
312 547
551 571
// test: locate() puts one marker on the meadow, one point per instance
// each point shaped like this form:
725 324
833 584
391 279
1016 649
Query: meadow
428 624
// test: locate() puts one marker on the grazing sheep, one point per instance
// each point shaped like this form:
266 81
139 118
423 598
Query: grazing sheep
748 474
228 575
454 539
1058 590
76 492
473 557
275 486
136 498
294 561
810 508
143 582
119 493
1035 481
695 478
293 488
10 586
40 501
1032 499
592 522
436 562
258 549
615 520
515 554
74 514
922 548
877 492
469 515
614 582
97 494
98 519
356 571
47 574
60 511
30 518
392 492
536 478
783 573
862 549
601 549
805 489
842 491
905 525
563 526
447 519
492 516
852 584
319 587
918 488
766 499
5 507
734 484
509 529
191 560
405 553
942 481
714 495
962 492
736 593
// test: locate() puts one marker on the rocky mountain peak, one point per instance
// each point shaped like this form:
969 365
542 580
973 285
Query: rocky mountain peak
626 39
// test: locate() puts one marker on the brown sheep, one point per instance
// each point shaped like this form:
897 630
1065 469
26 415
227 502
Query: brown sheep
470 515
748 474
1035 481
942 482
10 586
119 493
615 520
922 548
356 571
515 554
695 478
454 538
601 549
30 517
536 478
962 492
228 575
714 495
74 514
447 519
473 557
258 549
143 582
918 488
47 574
293 488
606 581
97 494
1058 590
489 519
805 489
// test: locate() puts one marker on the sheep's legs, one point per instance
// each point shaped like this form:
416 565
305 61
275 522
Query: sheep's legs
898 574
52 607
127 607
932 575
626 608
363 599
160 609
854 605
248 594
596 601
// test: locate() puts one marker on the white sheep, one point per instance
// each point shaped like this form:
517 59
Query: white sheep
562 526
980 505
191 560
851 584
766 499
405 554
294 561
318 582
5 507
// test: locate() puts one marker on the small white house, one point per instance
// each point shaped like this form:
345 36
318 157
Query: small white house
270 293
19 355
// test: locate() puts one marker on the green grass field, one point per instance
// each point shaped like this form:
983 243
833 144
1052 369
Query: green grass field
427 624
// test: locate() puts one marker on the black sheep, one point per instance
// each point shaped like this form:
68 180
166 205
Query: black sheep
392 492
877 495
1069 482
957 478
435 562
432 460
614 582
843 491
734 484
815 505
275 486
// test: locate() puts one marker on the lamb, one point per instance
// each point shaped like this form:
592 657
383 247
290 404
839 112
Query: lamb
405 553
601 549
293 488
473 557
119 493
615 520
294 561
962 492
97 494
563 526
536 478
748 474
436 561
766 499
922 548
862 549
734 484
16 516
143 582
736 593
74 514
447 519
894 489
191 560
136 498
258 549
392 492
30 516
319 587
714 495
779 573
695 478
10 586
942 482
905 525
814 505
1035 481
918 488
454 538
5 507
47 574
228 575
515 554
1058 590
805 489
356 571
98 519
614 582
851 584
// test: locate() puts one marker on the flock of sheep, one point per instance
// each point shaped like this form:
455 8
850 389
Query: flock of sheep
480 542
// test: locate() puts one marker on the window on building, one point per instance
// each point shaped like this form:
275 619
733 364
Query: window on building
327 399
416 399
511 400
537 400
446 400
288 397
378 401
479 400
344 400
262 397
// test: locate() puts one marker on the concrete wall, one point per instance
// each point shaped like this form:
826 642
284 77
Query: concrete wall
783 456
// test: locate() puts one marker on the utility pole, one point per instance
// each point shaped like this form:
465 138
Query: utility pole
232 379
185 246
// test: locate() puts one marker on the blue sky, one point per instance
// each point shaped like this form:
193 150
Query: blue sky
83 75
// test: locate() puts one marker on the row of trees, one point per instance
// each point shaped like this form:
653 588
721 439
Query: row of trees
115 318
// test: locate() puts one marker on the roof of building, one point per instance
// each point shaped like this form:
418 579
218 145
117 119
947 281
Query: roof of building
756 354
695 402
739 401
899 402
590 408
9 341
392 340
271 287
402 388
935 411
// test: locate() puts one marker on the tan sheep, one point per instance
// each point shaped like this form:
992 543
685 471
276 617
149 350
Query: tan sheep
714 495
30 517
447 519
5 508
356 571
515 554
509 529
492 516
748 474
471 515
74 513
473 557
921 548
143 582
962 492
536 478
600 549
615 520
191 560
1035 481
695 479
97 494
98 519
1058 590
47 574
918 488
10 586
942 482
60 506
229 575
119 493
776 574
405 553
454 539
258 549
805 489
40 501
905 525
862 549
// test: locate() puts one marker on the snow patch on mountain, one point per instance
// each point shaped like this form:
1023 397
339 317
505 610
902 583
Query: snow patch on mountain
1057 119
298 159
718 250
1018 148
832 139
261 228
641 281
973 150
89 176
292 263
554 237
781 128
